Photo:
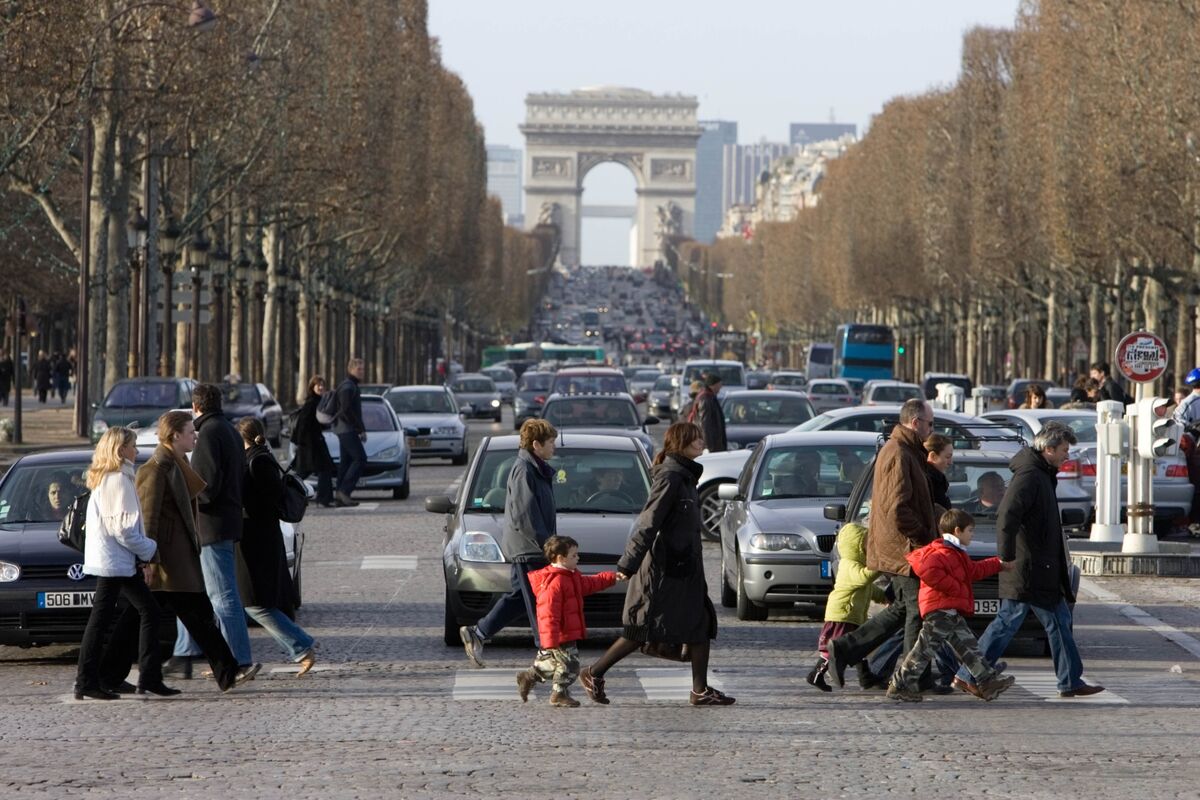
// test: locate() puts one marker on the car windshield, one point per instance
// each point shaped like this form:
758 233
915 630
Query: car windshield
240 394
810 471
646 375
586 480
894 394
431 402
767 410
501 374
591 411
137 394
535 382
827 388
589 384
481 385
40 493
378 417
664 383
730 375
788 380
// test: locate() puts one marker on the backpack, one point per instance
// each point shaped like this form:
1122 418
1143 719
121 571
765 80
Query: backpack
327 408
293 500
71 532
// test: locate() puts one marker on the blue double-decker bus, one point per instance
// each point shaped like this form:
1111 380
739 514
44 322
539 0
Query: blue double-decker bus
863 351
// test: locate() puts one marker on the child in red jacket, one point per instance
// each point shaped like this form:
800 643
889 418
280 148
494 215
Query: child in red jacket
946 600
560 589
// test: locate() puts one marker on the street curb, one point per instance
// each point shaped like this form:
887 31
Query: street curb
1116 565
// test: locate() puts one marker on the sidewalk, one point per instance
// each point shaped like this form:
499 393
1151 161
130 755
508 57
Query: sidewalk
43 427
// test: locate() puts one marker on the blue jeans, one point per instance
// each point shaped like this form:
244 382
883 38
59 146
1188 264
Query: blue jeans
519 600
350 462
294 639
1068 666
220 582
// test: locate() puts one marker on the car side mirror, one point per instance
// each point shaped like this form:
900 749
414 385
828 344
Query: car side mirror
1072 517
411 432
651 420
465 408
440 504
835 512
729 492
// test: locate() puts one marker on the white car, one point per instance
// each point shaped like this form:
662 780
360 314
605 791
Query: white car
386 446
830 393
431 412
876 392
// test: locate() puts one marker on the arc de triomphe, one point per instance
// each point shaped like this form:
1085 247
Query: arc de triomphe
654 136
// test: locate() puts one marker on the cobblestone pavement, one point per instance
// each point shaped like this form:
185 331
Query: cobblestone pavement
390 711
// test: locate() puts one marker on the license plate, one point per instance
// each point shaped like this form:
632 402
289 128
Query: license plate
825 572
419 443
65 599
987 607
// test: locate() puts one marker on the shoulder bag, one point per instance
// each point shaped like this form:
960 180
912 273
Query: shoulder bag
71 532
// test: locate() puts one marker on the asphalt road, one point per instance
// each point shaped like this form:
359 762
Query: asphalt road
390 711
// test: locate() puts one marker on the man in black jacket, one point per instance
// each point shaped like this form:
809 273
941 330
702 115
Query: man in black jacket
1109 388
1029 532
219 458
706 412
351 433
529 520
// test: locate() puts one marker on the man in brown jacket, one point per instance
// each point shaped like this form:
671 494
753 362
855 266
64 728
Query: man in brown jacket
901 520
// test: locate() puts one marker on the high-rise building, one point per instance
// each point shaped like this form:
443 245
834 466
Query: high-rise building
504 170
711 199
745 165
803 133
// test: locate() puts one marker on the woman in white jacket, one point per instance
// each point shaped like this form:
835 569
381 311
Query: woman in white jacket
114 544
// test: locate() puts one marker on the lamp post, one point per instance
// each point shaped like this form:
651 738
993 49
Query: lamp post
241 285
256 322
198 262
218 262
135 236
169 243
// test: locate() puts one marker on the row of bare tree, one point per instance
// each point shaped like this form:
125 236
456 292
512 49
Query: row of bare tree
1015 223
310 172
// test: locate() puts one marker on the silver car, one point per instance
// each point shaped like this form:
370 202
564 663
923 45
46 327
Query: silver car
431 412
386 447
505 380
877 392
664 397
775 539
967 432
601 414
830 393
477 395
600 486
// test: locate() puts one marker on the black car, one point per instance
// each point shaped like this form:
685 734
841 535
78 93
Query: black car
139 402
240 400
532 390
751 414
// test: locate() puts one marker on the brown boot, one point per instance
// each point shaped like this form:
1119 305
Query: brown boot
563 699
525 683
991 688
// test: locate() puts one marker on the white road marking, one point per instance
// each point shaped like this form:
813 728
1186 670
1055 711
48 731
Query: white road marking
1135 614
1045 685
294 668
485 684
389 562
360 507
671 683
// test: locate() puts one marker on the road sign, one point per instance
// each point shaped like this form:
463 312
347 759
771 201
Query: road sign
1142 357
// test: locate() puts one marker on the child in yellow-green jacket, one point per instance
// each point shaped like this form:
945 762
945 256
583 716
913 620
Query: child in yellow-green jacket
853 591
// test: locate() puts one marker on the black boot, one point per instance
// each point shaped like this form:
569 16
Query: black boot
178 667
868 679
816 677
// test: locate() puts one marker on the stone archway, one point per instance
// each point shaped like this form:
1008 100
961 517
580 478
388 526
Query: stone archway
653 136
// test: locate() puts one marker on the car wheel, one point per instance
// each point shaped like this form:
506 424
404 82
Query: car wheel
450 636
712 508
497 417
460 460
401 493
728 595
746 608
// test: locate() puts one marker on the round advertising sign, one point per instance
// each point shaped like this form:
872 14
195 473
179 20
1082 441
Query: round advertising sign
1142 357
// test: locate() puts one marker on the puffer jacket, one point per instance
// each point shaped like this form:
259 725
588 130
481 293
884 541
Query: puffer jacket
116 538
854 589
902 507
946 573
560 592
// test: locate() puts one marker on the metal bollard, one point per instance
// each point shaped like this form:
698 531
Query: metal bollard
1110 444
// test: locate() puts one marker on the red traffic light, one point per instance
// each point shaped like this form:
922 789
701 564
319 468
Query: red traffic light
713 323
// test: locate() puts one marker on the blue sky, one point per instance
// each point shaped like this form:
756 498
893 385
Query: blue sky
763 64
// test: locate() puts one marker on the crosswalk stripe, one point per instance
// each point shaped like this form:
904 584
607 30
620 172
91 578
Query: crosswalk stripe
1045 686
485 684
360 507
389 562
671 683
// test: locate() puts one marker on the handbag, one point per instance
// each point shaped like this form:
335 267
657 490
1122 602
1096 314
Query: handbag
293 499
668 650
71 532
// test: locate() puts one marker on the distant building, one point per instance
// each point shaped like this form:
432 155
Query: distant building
805 133
504 170
745 165
711 198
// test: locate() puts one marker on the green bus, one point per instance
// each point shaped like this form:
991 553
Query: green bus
545 351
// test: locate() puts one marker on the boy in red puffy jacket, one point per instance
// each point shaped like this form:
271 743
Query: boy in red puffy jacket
560 589
946 600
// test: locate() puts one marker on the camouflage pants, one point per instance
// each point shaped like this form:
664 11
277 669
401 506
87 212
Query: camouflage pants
938 628
560 665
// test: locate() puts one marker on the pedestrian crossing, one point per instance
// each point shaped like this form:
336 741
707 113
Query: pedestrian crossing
656 683
1044 685
389 562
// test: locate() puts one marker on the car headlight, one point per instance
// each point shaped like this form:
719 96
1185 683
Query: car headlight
479 546
9 572
388 453
447 430
99 426
496 403
779 541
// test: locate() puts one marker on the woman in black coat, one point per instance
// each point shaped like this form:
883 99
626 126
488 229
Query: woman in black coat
312 454
268 592
939 455
667 601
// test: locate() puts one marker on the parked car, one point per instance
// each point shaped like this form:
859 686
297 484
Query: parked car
599 414
476 395
752 414
642 382
1014 395
790 381
601 519
876 392
775 539
505 380
386 446
240 400
533 388
44 596
138 402
664 396
589 380
432 413
931 379
967 432
829 393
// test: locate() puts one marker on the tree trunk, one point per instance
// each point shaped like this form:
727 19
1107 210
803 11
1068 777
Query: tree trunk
1053 323
270 327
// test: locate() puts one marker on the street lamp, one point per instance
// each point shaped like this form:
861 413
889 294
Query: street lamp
198 262
135 237
168 244
219 261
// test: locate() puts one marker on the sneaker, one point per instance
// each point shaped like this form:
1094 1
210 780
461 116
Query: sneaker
901 694
991 688
246 673
593 686
525 682
711 697
563 699
472 643
1083 690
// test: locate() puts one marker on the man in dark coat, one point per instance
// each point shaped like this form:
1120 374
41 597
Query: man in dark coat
351 433
529 520
706 412
1029 532
312 454
1109 388
42 372
219 460
902 520
6 378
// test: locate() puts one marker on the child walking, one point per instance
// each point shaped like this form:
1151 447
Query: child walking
846 609
560 589
946 600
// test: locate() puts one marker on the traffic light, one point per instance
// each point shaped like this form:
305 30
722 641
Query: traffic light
900 349
713 323
1158 435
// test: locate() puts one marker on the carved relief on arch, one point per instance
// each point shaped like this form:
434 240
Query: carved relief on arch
634 161
671 169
